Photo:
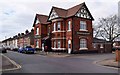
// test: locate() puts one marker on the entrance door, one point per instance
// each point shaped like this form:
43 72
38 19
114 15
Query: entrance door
69 46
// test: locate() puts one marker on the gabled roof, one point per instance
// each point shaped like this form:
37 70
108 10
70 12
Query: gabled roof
61 12
42 19
72 11
65 13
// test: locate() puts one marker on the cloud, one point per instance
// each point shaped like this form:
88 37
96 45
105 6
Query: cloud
17 15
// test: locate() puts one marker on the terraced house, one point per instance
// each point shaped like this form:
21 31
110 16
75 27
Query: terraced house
64 29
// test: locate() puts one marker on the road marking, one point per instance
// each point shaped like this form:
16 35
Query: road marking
13 62
95 62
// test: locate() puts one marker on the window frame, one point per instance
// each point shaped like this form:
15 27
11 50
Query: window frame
37 44
54 44
58 44
58 26
69 25
83 43
83 25
54 26
37 31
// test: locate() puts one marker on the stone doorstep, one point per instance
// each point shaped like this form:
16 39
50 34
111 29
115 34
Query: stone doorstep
109 62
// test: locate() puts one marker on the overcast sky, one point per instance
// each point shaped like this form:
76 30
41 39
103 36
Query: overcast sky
17 15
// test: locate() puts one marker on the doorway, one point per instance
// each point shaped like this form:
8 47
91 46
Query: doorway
69 46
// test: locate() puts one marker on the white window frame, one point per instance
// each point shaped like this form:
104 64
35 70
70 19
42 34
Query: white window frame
83 26
54 44
69 25
37 44
58 44
54 27
37 31
83 44
58 26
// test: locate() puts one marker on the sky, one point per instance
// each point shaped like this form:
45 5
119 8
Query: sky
16 16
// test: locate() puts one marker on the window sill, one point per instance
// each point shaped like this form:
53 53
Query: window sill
59 48
57 31
82 30
83 48
68 30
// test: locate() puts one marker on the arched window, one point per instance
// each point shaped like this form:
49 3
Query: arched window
83 43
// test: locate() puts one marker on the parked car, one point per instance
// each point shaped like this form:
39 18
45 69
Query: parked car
7 48
3 50
29 49
15 49
21 50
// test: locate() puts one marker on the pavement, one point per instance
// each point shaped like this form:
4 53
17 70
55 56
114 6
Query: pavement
54 54
8 64
109 62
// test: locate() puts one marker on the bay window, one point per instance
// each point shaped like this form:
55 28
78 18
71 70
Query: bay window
58 26
54 27
69 24
54 42
58 44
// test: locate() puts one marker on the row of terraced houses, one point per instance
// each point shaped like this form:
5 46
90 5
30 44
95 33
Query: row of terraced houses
68 30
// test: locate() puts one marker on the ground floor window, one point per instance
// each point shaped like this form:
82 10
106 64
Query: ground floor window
83 43
54 42
58 44
37 44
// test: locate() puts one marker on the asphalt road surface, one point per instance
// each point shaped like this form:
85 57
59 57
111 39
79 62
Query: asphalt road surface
34 63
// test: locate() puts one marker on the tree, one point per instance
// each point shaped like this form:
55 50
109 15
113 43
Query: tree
107 28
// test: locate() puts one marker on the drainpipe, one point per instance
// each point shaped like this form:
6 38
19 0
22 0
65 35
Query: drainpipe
72 34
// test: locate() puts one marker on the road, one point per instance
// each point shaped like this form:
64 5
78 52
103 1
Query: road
34 63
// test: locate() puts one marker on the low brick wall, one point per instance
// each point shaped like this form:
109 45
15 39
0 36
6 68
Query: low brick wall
118 55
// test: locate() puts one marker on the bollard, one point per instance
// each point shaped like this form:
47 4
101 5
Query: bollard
117 52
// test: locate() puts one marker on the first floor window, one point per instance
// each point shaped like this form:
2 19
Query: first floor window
58 26
54 44
83 43
69 23
54 27
83 25
37 31
58 43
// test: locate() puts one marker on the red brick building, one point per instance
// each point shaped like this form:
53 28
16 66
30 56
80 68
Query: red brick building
69 29
26 39
41 27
